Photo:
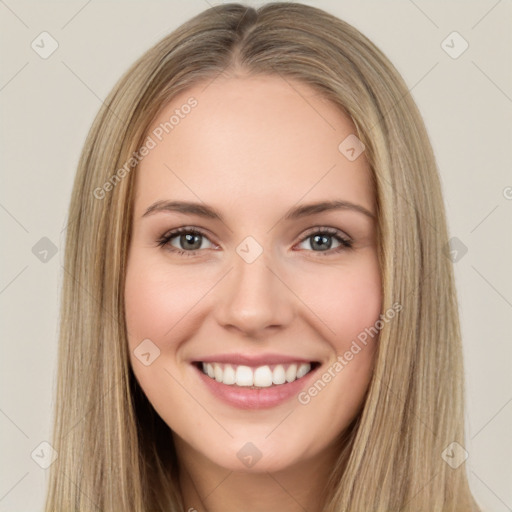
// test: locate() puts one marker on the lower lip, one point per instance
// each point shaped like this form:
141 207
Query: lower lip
247 398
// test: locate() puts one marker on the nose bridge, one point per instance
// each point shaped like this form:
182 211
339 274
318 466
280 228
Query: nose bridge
253 297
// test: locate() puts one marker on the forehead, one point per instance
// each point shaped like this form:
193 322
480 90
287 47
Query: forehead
253 139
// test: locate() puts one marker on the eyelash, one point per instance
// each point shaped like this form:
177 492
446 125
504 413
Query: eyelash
164 240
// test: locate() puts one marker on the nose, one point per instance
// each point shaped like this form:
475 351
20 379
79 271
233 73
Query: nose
254 298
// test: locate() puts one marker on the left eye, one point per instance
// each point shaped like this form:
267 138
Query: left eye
322 240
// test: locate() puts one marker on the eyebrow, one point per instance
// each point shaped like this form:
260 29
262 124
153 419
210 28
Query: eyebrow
203 210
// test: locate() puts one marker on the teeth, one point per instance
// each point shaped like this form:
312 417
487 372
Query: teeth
279 375
261 377
217 372
303 369
244 376
291 373
229 375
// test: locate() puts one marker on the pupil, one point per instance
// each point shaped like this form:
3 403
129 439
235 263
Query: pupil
189 238
324 241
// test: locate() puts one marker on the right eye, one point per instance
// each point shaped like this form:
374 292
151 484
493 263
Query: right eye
190 240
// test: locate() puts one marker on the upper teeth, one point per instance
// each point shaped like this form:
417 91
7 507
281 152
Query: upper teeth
262 376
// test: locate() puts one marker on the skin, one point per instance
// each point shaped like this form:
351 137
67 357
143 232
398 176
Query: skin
253 148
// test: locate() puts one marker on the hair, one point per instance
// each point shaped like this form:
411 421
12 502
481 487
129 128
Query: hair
114 451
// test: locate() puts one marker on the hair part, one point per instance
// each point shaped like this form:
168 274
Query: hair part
114 451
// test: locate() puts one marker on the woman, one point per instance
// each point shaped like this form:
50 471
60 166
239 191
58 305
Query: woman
258 312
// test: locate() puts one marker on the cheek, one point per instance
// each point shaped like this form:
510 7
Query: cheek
146 304
359 304
347 299
157 300
159 306
350 306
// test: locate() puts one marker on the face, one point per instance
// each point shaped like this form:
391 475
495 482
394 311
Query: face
230 265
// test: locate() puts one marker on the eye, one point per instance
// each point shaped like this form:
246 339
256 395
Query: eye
322 239
188 240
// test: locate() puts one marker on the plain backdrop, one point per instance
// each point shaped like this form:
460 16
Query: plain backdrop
47 107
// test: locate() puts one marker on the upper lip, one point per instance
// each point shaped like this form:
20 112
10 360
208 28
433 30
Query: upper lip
252 360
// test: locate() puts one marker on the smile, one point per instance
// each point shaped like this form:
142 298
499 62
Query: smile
256 377
248 383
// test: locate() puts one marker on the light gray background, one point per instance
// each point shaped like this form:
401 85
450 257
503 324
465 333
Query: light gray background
47 106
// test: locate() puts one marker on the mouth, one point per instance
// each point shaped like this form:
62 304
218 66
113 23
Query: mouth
256 377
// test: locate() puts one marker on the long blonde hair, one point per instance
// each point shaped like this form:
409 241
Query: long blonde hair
114 452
